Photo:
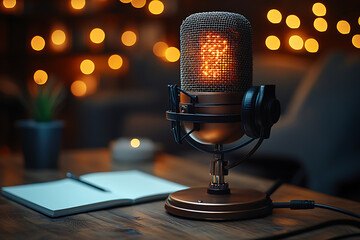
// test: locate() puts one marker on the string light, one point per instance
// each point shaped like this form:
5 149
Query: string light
156 7
58 37
293 21
78 88
115 61
274 16
135 143
356 40
40 77
320 24
9 3
37 43
311 45
87 66
138 3
272 42
78 4
97 35
319 9
343 27
296 42
172 54
128 38
159 49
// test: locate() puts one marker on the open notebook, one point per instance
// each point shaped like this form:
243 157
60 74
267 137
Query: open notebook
68 196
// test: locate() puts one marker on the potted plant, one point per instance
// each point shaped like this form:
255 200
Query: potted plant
41 135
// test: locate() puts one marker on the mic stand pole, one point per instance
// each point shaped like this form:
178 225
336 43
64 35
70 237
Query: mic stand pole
218 173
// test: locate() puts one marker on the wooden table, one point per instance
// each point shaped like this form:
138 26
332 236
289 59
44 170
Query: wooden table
149 220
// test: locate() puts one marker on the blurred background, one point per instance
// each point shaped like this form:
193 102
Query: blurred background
115 58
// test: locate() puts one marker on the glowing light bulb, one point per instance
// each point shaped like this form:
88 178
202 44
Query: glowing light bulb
97 35
172 54
135 143
40 77
138 3
343 27
272 42
159 49
78 4
9 3
87 66
156 7
319 9
274 16
128 38
78 88
38 43
296 42
115 61
58 37
125 1
311 45
356 40
292 21
320 24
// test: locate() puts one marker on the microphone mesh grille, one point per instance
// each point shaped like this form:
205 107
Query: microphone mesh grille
216 53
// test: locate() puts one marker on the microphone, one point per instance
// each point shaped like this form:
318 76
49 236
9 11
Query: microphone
216 105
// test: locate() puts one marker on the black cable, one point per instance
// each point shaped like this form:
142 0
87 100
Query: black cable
349 222
337 210
345 236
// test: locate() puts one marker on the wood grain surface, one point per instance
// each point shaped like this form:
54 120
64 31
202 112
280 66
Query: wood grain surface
150 220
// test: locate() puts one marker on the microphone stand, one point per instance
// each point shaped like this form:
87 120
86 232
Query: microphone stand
218 173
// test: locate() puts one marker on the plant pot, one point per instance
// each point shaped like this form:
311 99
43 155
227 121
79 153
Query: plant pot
40 143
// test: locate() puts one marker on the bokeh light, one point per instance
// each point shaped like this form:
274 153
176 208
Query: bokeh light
292 21
115 61
135 143
87 66
296 42
272 42
97 35
319 9
156 7
343 27
356 40
320 24
159 49
311 45
9 3
359 20
172 54
78 88
38 43
78 4
58 37
274 16
128 38
125 1
138 3
40 77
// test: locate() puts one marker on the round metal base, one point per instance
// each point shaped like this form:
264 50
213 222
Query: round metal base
196 203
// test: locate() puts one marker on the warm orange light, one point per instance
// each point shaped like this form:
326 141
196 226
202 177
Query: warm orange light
125 1
115 61
296 42
97 35
272 42
156 7
214 53
311 45
359 20
135 143
320 24
138 3
40 77
319 9
172 54
38 43
159 49
293 21
58 37
356 40
78 88
343 27
9 3
128 38
274 16
87 66
78 4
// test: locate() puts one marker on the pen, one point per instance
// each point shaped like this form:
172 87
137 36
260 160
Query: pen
76 178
